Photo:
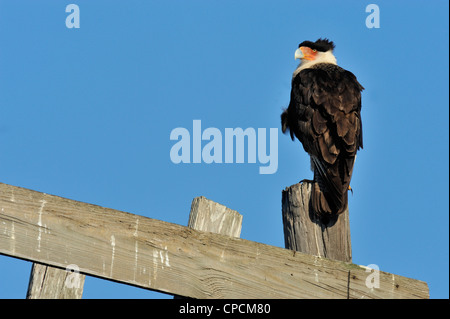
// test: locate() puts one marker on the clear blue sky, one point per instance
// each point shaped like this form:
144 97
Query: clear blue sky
87 114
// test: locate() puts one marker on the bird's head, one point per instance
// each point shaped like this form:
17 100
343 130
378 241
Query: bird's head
322 49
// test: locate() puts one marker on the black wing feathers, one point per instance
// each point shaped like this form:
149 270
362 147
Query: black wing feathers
324 114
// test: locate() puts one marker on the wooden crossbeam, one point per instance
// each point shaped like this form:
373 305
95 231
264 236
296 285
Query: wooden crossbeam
170 258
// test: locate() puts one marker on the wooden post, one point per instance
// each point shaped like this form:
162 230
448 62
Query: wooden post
47 282
305 232
210 216
207 215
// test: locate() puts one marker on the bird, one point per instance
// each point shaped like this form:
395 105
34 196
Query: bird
324 114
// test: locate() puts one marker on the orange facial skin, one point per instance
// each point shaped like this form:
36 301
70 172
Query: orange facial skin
308 53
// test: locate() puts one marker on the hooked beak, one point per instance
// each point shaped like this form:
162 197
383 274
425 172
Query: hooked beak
305 53
298 54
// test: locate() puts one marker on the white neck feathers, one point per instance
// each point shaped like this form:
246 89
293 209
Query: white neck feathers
322 57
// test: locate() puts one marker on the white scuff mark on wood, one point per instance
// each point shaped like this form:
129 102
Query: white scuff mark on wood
13 237
160 259
316 272
164 255
136 250
161 256
135 258
43 202
136 227
5 227
155 263
317 241
113 245
393 286
316 260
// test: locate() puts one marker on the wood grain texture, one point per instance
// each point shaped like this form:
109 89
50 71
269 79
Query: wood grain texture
207 215
305 232
174 259
47 282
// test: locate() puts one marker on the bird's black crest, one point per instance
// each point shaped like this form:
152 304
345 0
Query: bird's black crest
321 45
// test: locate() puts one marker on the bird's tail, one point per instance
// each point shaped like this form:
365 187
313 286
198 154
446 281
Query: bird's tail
324 203
329 194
